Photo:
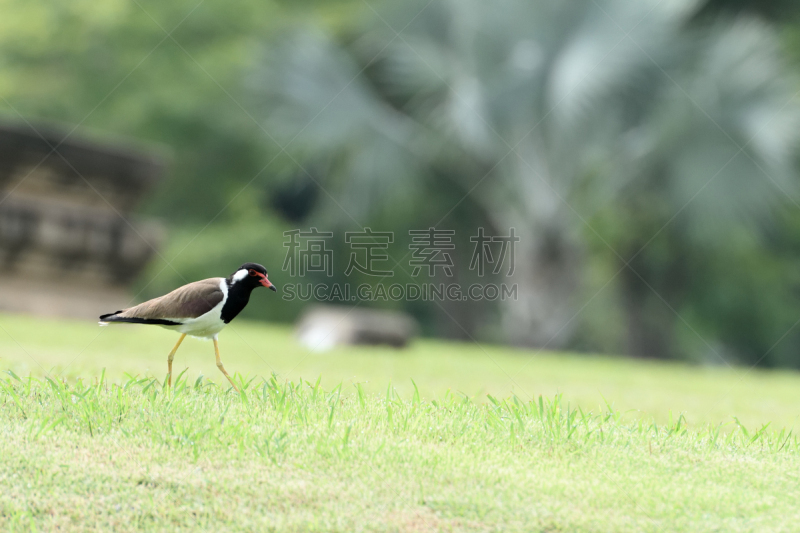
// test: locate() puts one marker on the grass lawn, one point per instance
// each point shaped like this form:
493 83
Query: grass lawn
498 452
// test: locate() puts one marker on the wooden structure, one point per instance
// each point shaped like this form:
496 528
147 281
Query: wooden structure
69 245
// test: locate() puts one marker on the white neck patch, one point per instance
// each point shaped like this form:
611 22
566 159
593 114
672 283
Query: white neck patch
240 275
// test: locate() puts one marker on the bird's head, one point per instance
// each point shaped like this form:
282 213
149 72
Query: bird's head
252 275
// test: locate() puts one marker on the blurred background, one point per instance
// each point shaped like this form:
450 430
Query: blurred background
646 153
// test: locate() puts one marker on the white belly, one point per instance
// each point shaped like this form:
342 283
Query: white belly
206 326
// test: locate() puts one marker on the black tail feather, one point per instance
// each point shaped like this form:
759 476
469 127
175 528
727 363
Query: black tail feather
112 317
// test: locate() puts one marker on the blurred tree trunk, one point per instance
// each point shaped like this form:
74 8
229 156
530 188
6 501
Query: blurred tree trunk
546 274
456 319
548 262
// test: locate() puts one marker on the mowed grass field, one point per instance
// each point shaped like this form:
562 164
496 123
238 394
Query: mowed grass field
483 439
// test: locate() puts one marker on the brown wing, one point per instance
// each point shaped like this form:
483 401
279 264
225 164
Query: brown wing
189 301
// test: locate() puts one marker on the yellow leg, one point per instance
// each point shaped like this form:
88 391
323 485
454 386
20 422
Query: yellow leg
222 368
170 357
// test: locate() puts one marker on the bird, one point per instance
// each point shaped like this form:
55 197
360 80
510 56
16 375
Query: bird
200 309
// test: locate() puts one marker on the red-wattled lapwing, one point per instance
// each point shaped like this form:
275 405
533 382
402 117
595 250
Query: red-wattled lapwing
200 309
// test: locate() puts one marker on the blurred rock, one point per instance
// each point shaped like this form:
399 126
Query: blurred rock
324 327
69 245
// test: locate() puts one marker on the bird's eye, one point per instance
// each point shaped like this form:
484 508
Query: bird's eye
252 272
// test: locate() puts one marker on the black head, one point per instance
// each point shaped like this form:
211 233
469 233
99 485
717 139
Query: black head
251 275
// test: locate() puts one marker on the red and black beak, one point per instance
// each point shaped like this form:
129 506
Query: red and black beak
265 282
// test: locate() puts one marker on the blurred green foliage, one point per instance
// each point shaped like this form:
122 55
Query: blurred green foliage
651 140
114 66
398 129
169 73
